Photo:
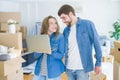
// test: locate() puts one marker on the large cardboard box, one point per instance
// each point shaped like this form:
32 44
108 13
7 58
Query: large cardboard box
11 40
116 51
116 71
116 55
4 27
5 16
9 66
17 75
116 44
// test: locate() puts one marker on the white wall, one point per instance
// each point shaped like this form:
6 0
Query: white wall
7 6
102 12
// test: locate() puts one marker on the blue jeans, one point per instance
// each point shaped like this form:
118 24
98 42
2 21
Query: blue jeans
41 77
77 75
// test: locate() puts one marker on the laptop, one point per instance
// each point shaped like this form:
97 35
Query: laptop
38 43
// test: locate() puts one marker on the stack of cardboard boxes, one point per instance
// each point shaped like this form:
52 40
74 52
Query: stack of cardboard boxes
4 28
11 69
116 54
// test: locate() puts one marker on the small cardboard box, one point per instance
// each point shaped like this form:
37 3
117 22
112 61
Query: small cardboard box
11 40
116 71
5 27
17 75
108 58
12 65
5 16
100 76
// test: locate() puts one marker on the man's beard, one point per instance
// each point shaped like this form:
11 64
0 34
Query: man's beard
69 24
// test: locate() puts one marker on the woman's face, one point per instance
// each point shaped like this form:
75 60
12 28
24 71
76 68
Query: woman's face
52 25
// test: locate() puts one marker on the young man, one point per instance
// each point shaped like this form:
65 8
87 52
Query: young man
80 35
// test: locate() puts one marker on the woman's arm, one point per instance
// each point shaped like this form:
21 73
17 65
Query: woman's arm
59 53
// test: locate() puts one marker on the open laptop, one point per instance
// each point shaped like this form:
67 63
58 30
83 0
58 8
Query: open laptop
39 43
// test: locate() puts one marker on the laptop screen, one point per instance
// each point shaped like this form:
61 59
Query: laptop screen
39 43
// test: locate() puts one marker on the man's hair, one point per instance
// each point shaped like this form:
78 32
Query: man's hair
66 9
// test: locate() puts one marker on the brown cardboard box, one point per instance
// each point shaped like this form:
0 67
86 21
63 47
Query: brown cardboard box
101 76
116 55
116 44
9 66
5 27
17 75
64 76
28 76
111 51
108 58
11 40
5 16
116 71
23 30
116 51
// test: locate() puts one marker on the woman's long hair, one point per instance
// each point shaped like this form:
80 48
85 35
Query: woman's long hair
45 26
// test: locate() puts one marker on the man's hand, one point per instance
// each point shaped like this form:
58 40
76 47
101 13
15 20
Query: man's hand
97 70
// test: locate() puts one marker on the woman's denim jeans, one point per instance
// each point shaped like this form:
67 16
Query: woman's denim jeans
41 77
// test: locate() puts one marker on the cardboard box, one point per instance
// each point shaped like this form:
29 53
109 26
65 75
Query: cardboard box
9 66
111 51
5 27
116 44
116 51
64 76
116 55
101 76
23 31
11 40
28 76
5 16
17 75
108 58
116 71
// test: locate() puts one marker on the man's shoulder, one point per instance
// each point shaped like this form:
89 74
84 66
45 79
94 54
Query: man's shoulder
83 21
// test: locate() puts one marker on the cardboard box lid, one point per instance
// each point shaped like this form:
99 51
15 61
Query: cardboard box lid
6 67
5 16
11 40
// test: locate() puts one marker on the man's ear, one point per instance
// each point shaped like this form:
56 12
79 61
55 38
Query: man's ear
70 14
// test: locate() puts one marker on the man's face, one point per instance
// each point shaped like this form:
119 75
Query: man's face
66 19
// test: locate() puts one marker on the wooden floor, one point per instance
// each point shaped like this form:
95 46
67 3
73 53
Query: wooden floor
29 77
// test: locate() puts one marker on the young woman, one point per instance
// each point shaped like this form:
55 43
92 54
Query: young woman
50 66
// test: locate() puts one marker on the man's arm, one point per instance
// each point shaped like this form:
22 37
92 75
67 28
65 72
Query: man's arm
98 51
